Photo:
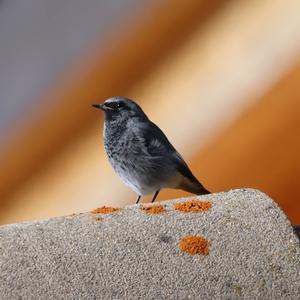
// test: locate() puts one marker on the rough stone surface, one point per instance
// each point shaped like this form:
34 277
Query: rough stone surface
253 254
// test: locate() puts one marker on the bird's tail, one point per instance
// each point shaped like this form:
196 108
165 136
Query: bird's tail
192 185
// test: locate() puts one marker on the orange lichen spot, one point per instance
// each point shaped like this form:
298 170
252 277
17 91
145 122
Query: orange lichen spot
96 219
194 244
104 210
193 206
154 209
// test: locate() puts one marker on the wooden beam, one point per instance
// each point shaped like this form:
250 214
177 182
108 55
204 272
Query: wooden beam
107 72
261 149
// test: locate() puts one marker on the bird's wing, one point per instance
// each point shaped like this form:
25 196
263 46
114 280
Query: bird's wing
155 142
157 145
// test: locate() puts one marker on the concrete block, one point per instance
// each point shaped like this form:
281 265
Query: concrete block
232 245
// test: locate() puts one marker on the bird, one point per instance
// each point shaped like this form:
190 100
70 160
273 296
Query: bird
141 153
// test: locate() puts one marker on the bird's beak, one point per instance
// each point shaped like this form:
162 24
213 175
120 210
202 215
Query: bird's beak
101 106
98 106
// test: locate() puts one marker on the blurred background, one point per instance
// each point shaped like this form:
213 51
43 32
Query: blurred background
221 78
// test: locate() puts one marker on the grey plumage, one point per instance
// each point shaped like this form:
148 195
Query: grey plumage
140 152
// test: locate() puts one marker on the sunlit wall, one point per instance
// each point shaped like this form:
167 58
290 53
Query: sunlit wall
219 77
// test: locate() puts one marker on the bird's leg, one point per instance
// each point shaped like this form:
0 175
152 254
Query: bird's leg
155 195
138 199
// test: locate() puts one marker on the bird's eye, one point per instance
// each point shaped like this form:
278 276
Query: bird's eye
120 105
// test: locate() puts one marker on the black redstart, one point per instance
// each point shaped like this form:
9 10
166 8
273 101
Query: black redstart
140 152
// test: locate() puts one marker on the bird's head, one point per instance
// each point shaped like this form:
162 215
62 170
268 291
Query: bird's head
118 108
